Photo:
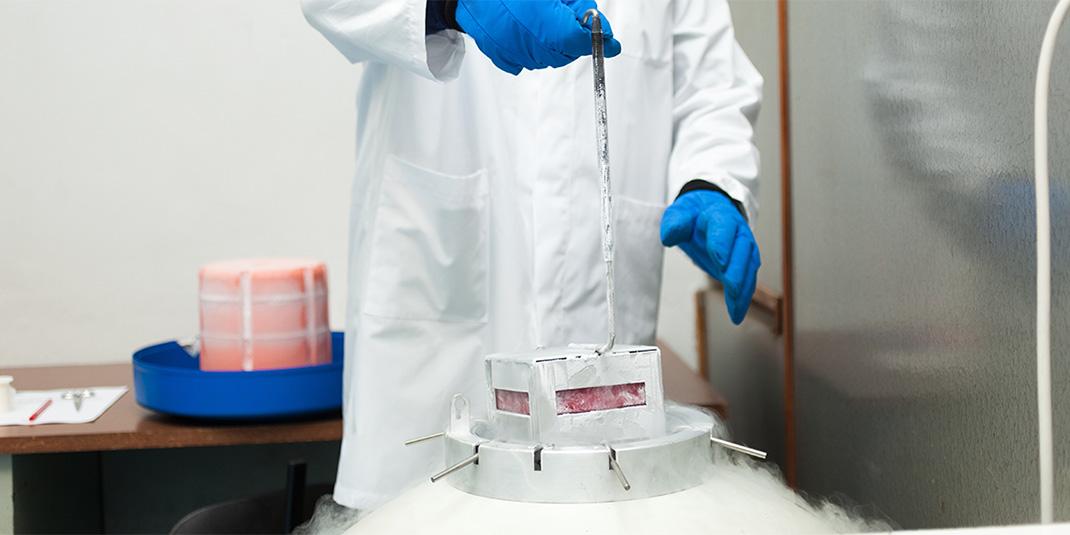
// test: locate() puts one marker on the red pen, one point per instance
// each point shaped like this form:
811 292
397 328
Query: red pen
40 410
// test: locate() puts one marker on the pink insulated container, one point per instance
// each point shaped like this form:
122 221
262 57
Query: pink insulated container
262 314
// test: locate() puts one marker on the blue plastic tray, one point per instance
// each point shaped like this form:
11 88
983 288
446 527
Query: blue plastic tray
168 380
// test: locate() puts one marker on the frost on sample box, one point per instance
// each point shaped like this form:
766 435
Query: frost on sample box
572 395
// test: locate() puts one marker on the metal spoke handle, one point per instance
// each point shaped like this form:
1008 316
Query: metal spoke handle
463 463
417 440
615 468
759 454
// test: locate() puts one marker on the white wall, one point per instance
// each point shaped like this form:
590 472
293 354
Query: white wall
140 139
676 322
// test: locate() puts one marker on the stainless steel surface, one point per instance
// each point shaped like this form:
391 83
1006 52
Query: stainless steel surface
914 241
759 454
417 440
548 473
598 58
456 466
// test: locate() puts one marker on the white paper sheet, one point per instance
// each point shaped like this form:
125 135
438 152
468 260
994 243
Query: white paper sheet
61 411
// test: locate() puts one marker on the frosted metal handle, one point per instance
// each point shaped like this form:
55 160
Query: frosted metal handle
737 447
601 119
417 440
615 468
463 463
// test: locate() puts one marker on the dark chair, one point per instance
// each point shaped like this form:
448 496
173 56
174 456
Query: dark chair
274 513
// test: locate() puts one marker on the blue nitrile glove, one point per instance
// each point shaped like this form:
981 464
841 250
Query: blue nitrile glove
712 231
531 34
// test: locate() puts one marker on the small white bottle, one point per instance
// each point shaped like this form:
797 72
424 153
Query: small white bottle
7 394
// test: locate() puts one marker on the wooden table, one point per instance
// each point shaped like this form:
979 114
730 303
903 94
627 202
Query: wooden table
127 426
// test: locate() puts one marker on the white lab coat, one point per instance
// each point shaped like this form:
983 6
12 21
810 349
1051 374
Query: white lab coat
475 211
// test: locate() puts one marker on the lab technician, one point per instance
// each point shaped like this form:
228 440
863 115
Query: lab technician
475 209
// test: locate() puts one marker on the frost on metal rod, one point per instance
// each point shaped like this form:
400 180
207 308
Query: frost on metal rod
601 116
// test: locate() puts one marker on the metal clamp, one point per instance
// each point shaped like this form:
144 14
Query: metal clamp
77 397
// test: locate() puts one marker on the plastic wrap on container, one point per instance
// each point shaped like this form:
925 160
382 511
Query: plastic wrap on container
261 314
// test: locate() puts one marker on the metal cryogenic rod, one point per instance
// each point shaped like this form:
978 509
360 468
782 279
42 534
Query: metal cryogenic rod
615 468
463 463
598 54
417 440
736 447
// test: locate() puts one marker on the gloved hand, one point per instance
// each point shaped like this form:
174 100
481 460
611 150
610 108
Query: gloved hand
712 231
531 34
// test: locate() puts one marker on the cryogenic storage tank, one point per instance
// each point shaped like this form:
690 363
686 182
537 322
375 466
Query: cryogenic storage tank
578 442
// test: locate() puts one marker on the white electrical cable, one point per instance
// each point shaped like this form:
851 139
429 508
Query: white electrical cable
1040 155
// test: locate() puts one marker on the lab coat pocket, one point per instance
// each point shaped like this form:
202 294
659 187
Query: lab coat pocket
429 255
638 260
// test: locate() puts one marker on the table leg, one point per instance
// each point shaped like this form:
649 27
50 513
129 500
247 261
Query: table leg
7 501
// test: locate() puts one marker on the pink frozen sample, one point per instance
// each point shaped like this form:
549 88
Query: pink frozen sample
511 401
600 398
260 314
